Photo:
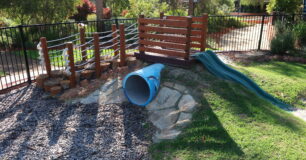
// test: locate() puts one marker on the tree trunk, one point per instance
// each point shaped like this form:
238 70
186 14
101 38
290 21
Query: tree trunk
191 8
99 9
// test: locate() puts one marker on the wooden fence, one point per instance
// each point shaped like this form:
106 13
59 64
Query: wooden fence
171 39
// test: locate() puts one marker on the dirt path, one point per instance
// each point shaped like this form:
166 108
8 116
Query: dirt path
245 39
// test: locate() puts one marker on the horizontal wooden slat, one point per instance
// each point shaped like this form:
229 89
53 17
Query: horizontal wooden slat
163 44
194 19
163 30
197 39
197 19
196 32
163 37
181 18
170 23
194 45
162 51
197 26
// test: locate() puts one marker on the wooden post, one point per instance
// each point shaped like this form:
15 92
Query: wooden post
204 32
141 52
83 41
44 46
72 78
115 47
97 54
122 45
161 15
188 36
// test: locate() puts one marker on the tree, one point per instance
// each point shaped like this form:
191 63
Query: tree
39 11
99 11
149 8
284 6
86 8
214 7
253 3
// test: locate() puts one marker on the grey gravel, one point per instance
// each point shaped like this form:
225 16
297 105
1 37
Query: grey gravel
35 126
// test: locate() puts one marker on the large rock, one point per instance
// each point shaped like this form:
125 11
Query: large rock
87 74
40 79
163 119
187 104
166 98
48 84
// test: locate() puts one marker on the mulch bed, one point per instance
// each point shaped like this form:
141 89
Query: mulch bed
35 126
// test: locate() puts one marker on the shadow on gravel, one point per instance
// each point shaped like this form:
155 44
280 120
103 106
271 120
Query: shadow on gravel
35 127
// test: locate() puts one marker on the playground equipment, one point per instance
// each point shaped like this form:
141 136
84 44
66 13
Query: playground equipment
214 65
141 86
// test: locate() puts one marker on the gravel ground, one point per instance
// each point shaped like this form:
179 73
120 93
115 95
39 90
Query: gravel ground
33 126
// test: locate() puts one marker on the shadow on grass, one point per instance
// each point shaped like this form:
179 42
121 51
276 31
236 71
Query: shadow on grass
243 101
205 135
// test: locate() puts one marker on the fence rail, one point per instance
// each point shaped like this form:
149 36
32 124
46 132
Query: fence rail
19 55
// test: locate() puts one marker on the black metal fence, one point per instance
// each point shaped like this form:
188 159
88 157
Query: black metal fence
19 57
18 52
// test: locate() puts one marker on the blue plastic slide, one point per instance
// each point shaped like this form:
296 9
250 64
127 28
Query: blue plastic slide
219 69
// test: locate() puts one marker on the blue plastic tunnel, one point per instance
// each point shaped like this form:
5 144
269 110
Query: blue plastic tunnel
140 87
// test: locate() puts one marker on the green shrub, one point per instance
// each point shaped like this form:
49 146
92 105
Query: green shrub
217 24
282 43
299 31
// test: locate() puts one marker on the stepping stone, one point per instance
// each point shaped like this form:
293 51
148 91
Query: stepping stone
166 98
168 84
183 120
187 103
165 135
163 119
179 87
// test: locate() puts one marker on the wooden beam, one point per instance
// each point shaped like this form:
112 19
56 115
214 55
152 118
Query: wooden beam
97 54
44 46
72 78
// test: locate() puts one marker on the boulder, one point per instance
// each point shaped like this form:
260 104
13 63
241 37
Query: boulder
131 62
55 90
84 83
65 84
57 74
104 66
48 84
40 79
115 64
87 74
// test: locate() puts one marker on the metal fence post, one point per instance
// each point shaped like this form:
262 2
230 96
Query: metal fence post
20 27
261 30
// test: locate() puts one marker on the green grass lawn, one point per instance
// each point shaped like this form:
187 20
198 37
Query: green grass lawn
234 123
284 80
